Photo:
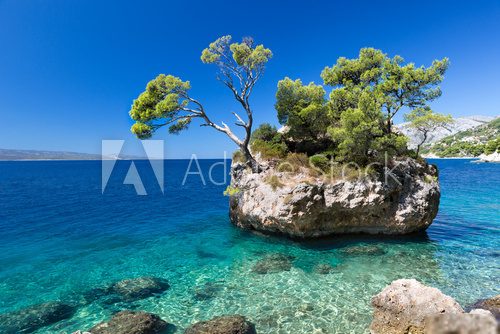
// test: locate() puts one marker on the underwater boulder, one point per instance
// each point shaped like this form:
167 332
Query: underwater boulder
131 322
273 263
227 324
363 250
207 291
139 288
30 319
324 268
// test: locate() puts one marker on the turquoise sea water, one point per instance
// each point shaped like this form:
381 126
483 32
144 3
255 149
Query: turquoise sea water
60 238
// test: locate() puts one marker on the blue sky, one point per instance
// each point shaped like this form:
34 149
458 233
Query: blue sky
69 70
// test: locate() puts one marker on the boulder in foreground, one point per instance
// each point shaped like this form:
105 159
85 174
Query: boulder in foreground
227 324
491 304
407 306
475 322
130 322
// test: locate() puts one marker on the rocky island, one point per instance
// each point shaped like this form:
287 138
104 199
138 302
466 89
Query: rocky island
304 206
337 165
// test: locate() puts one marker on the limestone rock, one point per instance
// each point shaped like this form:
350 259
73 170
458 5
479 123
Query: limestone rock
403 306
34 317
228 324
475 322
304 208
491 304
130 322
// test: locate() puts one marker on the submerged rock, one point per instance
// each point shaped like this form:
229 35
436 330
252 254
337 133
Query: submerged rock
363 250
207 291
139 288
324 268
227 324
301 207
130 322
491 304
34 317
403 306
273 263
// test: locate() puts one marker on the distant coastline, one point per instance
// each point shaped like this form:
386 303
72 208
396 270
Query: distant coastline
39 155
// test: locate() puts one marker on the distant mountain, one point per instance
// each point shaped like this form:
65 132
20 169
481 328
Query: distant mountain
483 139
459 124
9 154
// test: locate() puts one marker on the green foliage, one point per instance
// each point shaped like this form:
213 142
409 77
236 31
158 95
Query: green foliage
267 141
141 130
266 132
231 191
357 129
393 84
393 144
160 104
472 142
459 149
430 178
424 120
492 146
238 156
302 108
244 54
320 161
356 120
268 150
166 101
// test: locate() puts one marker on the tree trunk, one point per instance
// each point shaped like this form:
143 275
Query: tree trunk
250 160
422 142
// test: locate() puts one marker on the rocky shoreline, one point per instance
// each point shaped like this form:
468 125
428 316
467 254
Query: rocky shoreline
403 307
403 200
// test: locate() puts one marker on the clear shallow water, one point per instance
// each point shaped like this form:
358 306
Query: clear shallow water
60 237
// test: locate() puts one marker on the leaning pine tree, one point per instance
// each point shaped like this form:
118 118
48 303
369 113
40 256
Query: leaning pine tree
166 100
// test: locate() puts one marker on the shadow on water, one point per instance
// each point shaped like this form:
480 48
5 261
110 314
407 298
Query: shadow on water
336 241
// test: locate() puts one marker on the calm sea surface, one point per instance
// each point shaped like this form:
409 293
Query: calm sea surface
60 237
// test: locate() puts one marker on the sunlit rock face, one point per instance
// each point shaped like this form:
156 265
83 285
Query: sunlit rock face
408 306
401 201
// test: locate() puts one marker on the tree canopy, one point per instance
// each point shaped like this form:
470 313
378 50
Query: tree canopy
424 121
166 100
355 122
352 123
